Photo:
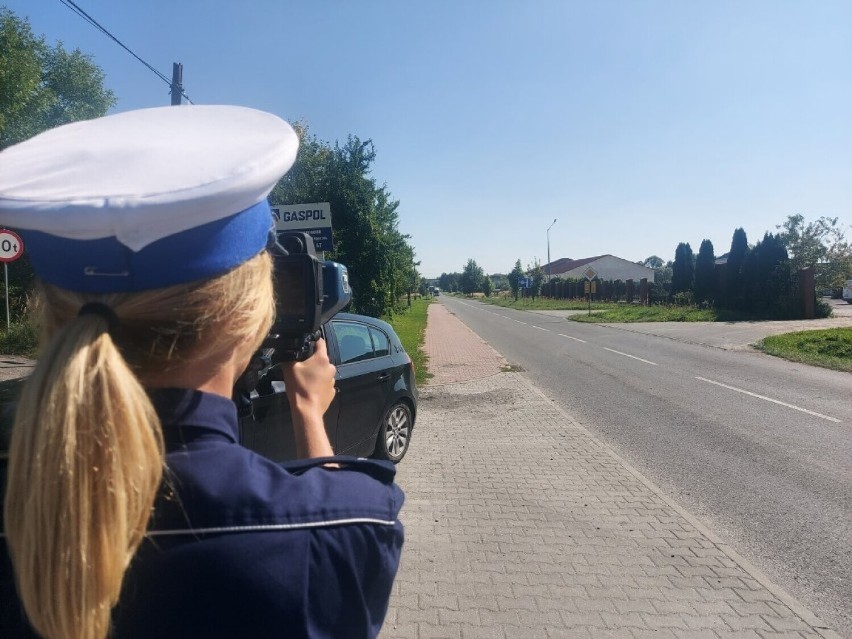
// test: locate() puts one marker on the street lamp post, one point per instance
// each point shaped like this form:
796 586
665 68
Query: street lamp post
548 249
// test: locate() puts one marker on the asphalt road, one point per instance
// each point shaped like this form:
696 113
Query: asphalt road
760 449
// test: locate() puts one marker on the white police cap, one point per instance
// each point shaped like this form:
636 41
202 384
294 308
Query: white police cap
145 199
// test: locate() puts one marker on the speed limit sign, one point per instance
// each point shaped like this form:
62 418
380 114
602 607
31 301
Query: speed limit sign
11 246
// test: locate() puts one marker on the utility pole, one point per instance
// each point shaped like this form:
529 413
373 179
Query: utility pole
177 83
548 249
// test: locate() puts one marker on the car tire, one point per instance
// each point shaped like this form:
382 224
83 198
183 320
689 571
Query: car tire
394 433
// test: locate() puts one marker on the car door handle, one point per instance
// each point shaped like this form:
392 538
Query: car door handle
383 377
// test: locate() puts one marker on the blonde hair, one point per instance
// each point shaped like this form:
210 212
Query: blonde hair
86 456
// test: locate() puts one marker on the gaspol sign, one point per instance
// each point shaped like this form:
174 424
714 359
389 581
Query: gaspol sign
314 219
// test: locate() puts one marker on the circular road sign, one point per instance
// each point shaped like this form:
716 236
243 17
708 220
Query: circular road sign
11 246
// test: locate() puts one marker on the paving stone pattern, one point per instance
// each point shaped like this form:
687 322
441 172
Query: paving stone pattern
520 523
456 353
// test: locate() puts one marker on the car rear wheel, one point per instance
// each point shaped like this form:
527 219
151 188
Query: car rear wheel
394 433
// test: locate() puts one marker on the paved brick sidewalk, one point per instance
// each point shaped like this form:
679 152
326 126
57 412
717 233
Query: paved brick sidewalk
456 353
520 523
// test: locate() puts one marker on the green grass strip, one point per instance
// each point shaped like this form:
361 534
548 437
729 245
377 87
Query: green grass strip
545 304
619 311
829 348
410 325
630 313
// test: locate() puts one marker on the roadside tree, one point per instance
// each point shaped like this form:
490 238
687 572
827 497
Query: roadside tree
366 219
766 275
449 282
499 281
683 269
735 281
514 277
41 86
487 286
705 276
654 262
536 272
821 244
471 278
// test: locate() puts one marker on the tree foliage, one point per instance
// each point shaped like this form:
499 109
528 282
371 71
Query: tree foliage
499 281
821 243
766 278
683 269
42 86
734 280
471 278
654 262
449 282
705 276
662 277
365 216
514 277
536 272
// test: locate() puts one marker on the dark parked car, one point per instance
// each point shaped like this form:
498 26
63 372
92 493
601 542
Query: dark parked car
376 404
371 416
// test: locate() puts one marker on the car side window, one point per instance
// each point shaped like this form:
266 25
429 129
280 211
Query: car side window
353 342
381 344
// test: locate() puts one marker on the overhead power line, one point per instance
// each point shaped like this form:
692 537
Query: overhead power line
80 12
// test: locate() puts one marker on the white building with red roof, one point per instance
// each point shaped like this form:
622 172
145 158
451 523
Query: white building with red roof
607 267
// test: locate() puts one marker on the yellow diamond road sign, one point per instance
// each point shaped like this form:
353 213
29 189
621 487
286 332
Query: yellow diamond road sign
590 273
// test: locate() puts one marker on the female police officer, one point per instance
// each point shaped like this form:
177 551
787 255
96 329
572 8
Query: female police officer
130 509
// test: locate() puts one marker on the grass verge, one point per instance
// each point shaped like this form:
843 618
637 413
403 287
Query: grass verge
829 348
410 325
620 312
545 304
630 313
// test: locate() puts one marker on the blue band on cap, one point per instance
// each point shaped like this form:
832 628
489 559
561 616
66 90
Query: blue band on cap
107 266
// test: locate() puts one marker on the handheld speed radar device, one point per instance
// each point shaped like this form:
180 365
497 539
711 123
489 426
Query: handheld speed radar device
309 292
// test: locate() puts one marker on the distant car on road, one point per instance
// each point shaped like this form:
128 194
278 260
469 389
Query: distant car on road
847 291
372 414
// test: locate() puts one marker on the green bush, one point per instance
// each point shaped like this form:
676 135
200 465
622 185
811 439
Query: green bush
822 309
684 298
20 339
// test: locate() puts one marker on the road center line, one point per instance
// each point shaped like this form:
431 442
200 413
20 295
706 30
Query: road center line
541 329
630 356
576 339
520 322
769 399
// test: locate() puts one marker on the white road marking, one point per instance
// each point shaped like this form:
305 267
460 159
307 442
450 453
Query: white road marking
520 322
769 399
541 329
630 356
576 339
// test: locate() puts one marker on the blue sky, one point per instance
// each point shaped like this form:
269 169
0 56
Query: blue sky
637 124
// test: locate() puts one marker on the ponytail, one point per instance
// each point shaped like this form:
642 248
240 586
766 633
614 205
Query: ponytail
85 461
86 455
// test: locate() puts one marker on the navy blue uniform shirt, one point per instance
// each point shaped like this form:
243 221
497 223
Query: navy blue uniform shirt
240 546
